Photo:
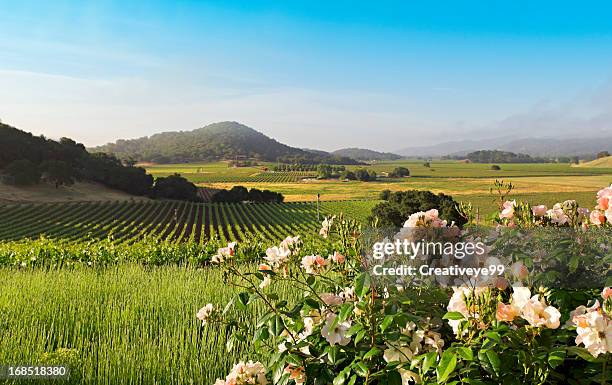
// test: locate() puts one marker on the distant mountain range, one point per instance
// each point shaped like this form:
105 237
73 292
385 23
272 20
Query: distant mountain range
217 141
543 147
365 154
232 140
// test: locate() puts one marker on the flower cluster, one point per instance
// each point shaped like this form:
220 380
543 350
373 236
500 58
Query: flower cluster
603 211
349 327
316 264
594 326
459 303
565 213
428 218
277 258
250 373
532 309
224 253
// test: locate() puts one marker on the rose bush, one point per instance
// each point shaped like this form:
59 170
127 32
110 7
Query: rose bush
348 328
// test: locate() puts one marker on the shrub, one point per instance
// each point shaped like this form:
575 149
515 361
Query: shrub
384 195
399 172
365 175
175 187
495 167
400 205
348 175
352 327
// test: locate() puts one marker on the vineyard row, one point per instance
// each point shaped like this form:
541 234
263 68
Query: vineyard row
128 221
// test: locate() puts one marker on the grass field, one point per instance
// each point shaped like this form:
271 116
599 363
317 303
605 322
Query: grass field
128 325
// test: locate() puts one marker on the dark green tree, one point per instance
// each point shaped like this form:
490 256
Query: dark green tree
175 187
399 172
22 172
348 175
400 205
324 171
58 172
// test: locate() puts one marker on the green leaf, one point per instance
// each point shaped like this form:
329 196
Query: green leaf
556 357
362 284
465 353
447 365
494 336
394 378
262 334
573 263
494 360
361 369
293 359
429 361
387 321
243 300
453 315
280 304
310 280
371 353
311 302
273 296
345 311
581 352
276 326
359 336
352 380
341 377
354 330
332 354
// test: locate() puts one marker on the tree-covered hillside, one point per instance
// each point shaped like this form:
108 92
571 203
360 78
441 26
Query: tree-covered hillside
365 154
223 140
497 156
28 159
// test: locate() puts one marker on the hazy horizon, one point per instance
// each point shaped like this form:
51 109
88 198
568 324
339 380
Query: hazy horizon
308 74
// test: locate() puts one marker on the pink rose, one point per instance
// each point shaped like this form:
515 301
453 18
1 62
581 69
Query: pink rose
604 198
539 211
597 217
606 293
508 210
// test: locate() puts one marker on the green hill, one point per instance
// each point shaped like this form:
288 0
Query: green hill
217 141
365 154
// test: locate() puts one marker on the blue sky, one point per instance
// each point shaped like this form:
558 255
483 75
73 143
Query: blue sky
325 75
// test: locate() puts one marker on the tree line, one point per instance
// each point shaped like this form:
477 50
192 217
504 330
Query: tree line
26 159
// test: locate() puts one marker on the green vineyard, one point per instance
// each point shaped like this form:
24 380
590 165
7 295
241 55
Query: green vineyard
129 221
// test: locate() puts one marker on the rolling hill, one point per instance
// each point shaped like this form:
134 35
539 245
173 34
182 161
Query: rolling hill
605 162
217 141
365 154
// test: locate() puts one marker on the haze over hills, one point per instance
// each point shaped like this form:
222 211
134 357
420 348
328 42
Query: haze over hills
543 147
231 140
365 154
223 140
